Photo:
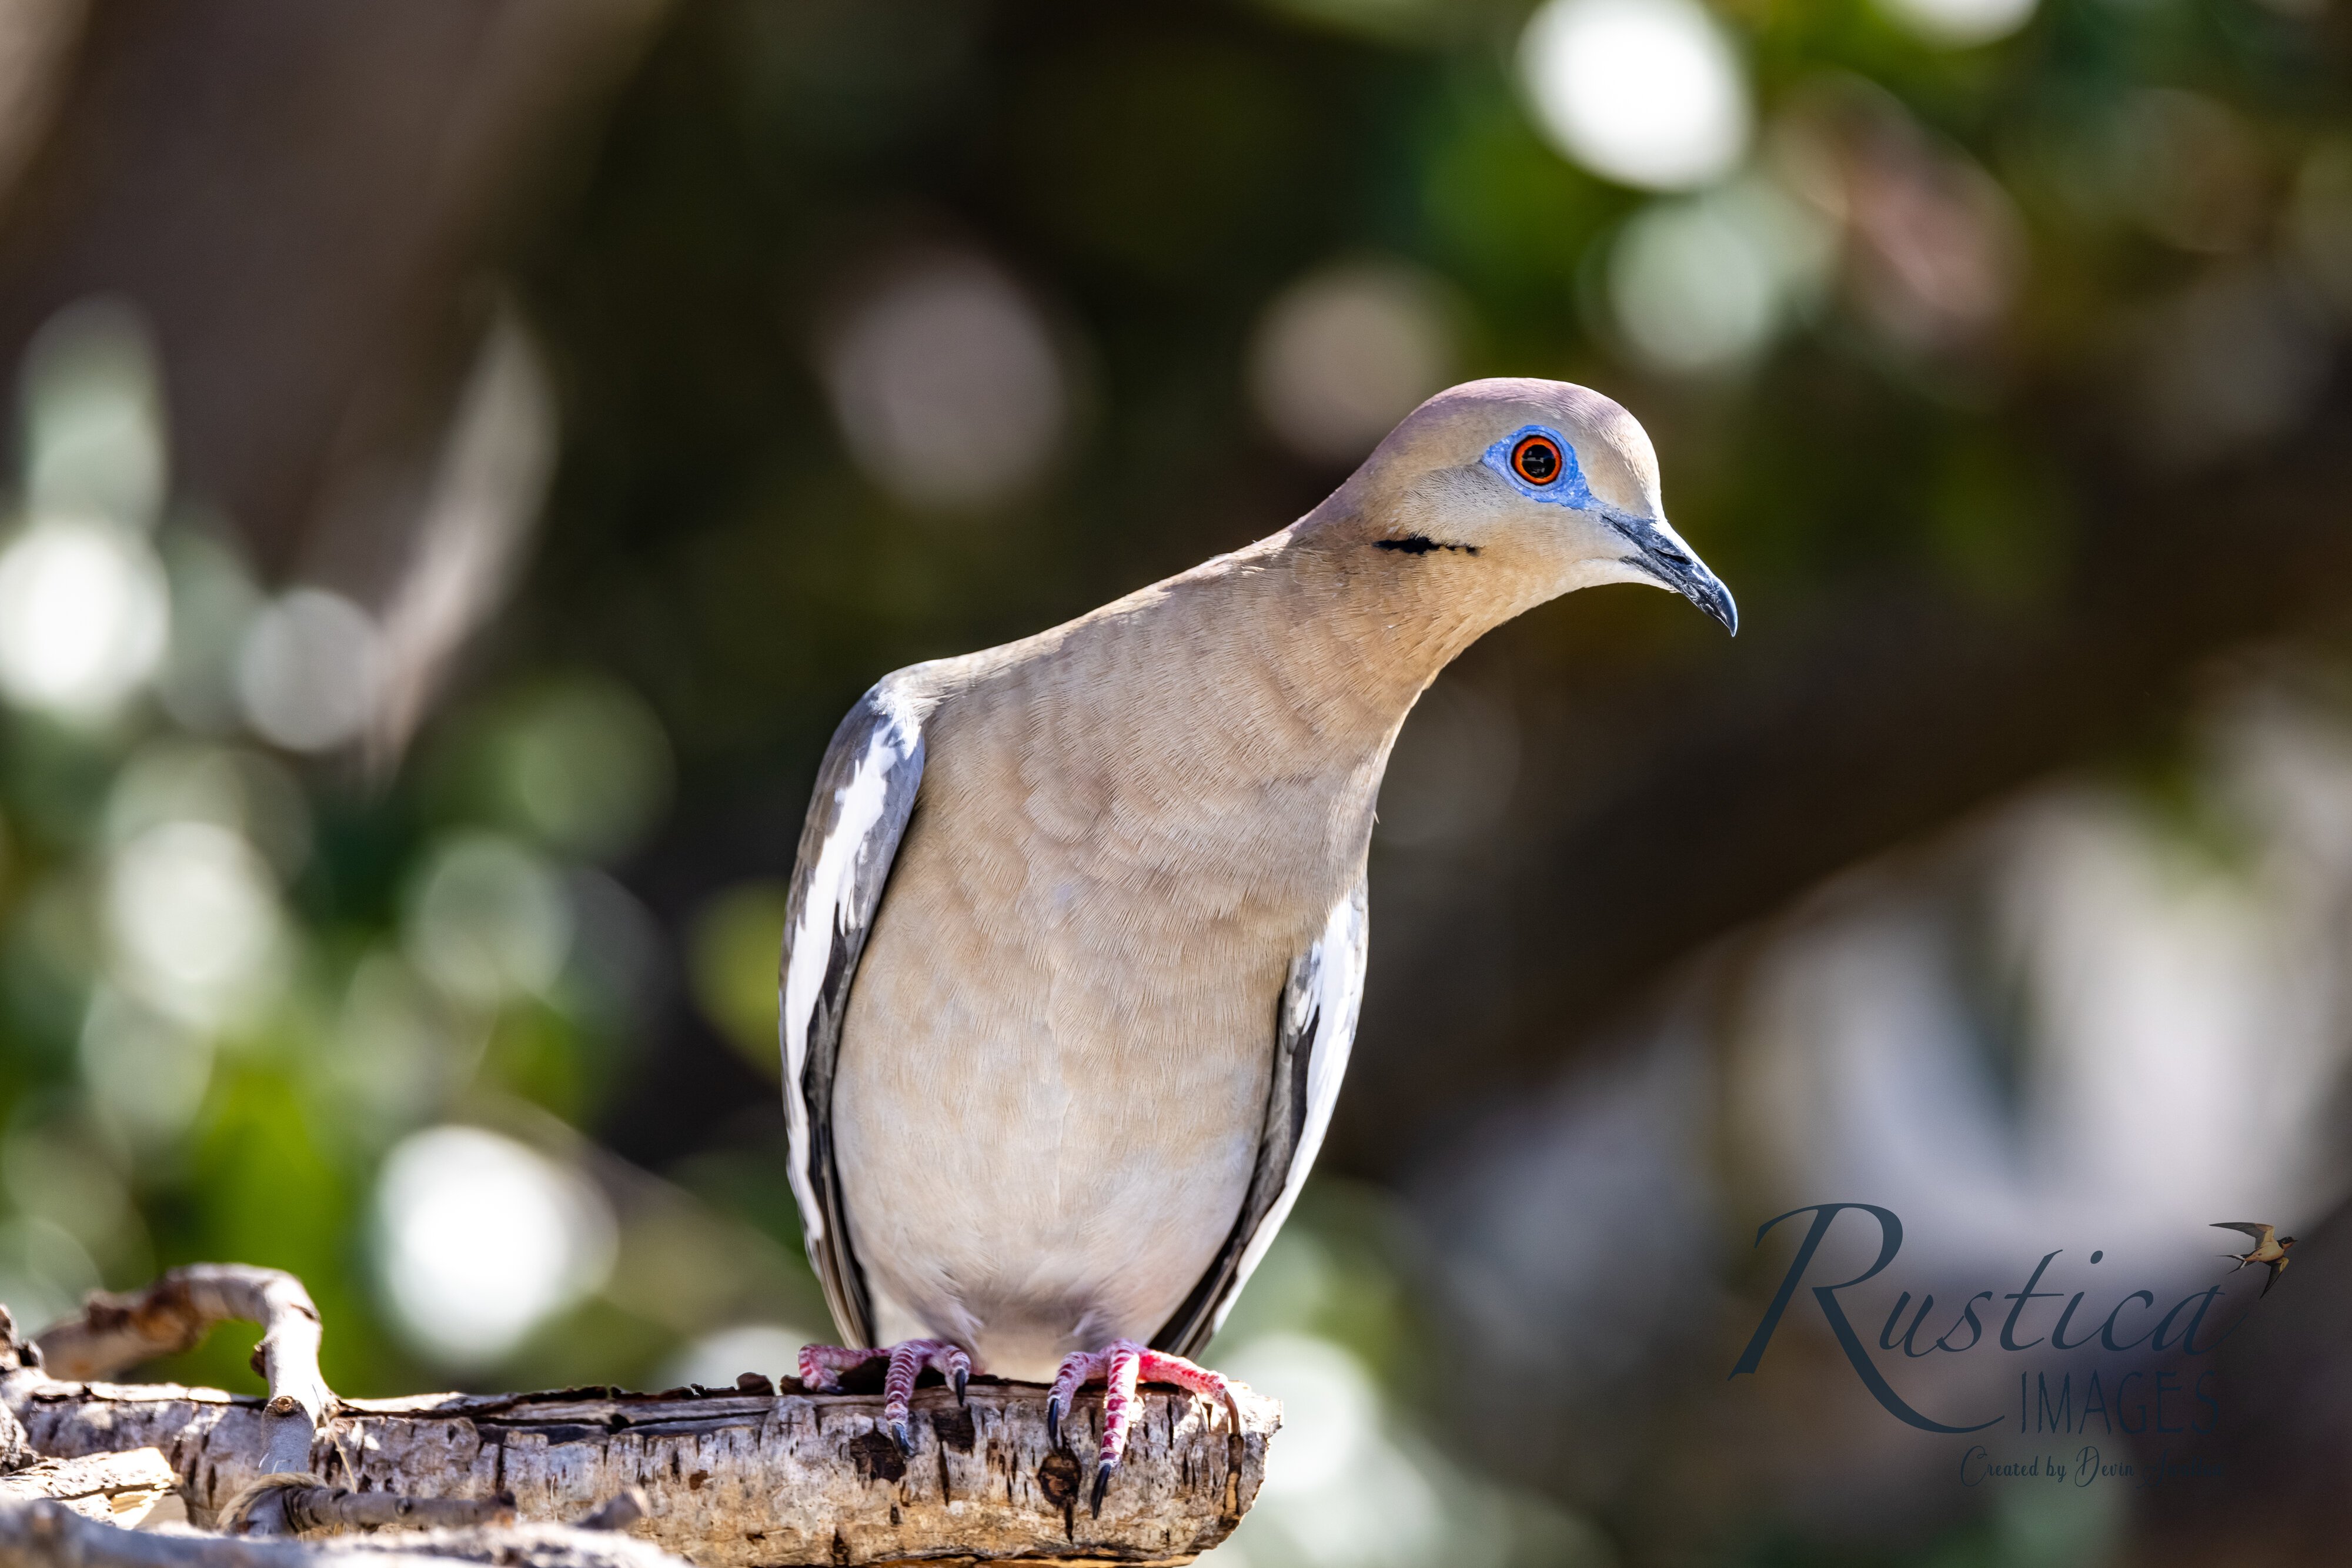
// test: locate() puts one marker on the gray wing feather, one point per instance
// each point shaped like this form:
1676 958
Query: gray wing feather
864 795
2253 1228
1315 1028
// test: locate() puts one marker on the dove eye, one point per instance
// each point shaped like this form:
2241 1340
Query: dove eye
1536 459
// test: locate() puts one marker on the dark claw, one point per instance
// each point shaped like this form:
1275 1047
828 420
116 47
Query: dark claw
1102 1484
962 1377
1054 1420
905 1438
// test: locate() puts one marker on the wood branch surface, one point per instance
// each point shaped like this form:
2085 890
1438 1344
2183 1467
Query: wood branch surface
15 1449
17 1354
302 1506
121 1489
728 1478
49 1535
115 1333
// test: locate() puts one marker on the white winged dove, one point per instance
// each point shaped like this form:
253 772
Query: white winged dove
1076 937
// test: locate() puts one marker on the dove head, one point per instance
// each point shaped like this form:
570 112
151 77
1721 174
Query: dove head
1523 490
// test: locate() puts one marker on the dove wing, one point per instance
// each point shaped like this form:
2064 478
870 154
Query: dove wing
866 790
1314 1028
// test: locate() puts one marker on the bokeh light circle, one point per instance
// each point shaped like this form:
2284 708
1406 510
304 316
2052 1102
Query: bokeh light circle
1644 92
481 1239
309 670
1960 23
83 614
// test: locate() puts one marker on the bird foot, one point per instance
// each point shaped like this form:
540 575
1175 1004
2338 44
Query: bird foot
1120 1365
822 1364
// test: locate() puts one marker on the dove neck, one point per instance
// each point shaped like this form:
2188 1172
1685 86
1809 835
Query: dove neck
1351 637
1380 617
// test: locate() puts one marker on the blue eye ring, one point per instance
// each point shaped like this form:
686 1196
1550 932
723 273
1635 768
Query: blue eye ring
1565 486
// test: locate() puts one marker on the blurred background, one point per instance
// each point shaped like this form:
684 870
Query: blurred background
468 453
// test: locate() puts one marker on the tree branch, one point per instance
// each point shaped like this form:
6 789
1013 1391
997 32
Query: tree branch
308 1507
115 1489
16 1449
749 1476
115 1333
50 1535
728 1478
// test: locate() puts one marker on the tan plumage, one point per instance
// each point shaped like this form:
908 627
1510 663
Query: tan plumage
2269 1249
1091 1042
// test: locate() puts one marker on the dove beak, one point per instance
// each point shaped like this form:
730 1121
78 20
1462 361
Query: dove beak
1660 552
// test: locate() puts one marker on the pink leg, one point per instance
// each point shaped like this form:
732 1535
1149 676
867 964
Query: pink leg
1121 1364
821 1365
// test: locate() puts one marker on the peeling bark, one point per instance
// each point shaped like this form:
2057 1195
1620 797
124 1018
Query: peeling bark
16 1354
15 1449
308 1509
121 1489
174 1313
115 1333
728 1479
49 1535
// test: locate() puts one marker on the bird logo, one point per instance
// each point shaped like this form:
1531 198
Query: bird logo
2269 1249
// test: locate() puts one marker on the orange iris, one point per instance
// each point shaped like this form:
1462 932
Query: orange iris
1537 459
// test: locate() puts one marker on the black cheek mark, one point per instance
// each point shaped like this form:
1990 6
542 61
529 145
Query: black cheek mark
1421 544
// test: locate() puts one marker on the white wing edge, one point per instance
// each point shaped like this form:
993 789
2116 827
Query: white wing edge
1332 992
859 806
